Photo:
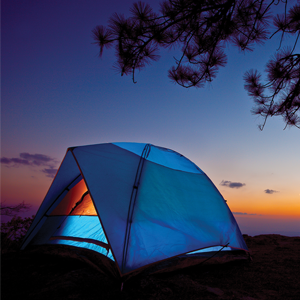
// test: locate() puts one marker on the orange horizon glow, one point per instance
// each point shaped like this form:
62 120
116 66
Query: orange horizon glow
21 184
280 204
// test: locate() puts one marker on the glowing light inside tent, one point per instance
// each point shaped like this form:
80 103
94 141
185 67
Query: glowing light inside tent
76 202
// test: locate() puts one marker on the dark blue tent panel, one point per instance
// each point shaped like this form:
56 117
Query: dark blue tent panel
134 203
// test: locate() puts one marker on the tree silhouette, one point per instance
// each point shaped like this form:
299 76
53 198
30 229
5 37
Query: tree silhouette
13 231
202 29
280 95
13 210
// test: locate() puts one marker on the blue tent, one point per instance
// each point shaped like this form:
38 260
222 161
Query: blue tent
134 203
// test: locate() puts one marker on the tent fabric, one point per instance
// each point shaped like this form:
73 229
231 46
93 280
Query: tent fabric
180 206
134 203
68 176
164 157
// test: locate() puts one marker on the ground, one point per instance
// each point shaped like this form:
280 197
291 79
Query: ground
273 273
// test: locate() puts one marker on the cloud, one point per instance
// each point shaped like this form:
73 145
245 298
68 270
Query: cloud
267 191
50 172
233 185
15 161
29 160
241 213
33 160
37 159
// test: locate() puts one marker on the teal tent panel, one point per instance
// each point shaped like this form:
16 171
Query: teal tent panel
210 249
67 176
172 159
85 245
177 212
136 148
163 156
85 227
109 172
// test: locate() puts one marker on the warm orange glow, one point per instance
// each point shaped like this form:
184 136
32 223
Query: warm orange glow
86 207
249 203
18 186
70 206
259 203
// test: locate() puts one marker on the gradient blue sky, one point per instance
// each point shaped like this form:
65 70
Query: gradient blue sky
57 93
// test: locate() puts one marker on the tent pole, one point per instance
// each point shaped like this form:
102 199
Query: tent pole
133 197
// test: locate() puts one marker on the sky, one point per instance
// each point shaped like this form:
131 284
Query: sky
56 93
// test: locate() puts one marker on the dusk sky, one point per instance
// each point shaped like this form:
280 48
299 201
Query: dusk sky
58 93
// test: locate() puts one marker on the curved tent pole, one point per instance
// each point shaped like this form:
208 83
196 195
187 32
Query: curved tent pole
133 197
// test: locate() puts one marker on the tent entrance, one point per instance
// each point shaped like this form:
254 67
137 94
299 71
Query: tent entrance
77 202
74 221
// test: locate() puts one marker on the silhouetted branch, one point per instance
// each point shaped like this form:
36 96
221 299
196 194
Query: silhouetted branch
280 95
202 29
